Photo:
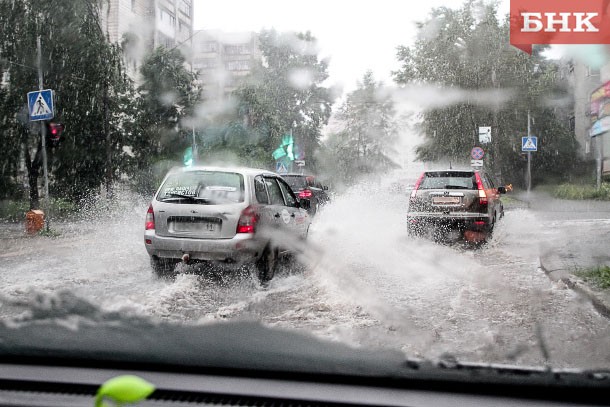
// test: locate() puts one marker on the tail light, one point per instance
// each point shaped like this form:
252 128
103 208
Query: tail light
150 219
414 191
306 193
481 188
247 221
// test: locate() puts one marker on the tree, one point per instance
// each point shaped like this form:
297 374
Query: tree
364 145
87 76
285 94
167 96
467 51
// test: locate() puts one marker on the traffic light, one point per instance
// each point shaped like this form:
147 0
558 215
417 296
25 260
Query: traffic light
54 132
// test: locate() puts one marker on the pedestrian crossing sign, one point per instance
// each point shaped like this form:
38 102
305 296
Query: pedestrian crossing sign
529 143
40 105
280 168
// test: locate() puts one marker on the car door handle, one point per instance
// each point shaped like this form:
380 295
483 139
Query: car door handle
277 215
292 216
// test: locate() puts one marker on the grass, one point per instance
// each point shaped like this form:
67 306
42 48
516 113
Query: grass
598 276
14 211
49 233
582 192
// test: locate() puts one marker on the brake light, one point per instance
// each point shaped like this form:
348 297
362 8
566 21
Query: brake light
306 193
247 221
150 219
481 188
419 180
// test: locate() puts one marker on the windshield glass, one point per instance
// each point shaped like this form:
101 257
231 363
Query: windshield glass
450 181
296 182
213 187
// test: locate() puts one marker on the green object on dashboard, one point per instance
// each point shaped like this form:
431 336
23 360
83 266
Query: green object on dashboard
124 389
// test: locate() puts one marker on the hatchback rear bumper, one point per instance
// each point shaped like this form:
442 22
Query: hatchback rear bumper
240 249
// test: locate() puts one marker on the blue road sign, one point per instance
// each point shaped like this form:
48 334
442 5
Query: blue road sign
280 167
40 105
529 143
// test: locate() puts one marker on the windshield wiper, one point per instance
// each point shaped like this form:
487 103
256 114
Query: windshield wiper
189 197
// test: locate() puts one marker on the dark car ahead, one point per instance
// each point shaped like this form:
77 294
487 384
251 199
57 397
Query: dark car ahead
464 201
308 187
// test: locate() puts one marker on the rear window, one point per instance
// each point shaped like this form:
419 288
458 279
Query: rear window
296 183
449 180
206 187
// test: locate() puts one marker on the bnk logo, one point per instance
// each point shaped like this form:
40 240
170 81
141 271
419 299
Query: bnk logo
559 22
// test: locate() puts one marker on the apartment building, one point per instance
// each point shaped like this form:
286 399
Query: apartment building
223 60
141 25
583 81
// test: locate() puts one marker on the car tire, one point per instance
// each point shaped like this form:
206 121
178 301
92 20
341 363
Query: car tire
267 265
163 267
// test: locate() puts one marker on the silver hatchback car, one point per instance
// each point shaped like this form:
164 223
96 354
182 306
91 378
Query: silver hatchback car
230 216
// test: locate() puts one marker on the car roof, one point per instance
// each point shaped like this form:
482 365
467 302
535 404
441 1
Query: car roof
240 170
298 175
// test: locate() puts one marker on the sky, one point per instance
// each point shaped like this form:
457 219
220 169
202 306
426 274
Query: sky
356 35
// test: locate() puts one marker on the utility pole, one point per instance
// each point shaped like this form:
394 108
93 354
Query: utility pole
529 159
599 142
43 135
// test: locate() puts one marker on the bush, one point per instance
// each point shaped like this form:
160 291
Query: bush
14 211
580 192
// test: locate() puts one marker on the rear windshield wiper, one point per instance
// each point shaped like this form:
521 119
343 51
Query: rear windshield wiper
189 197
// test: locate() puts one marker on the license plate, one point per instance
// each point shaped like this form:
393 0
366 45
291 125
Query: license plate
195 227
446 200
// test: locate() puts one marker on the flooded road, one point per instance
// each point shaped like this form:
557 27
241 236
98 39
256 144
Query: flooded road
364 283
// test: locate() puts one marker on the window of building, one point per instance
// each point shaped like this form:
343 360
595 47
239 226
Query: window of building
185 7
241 49
241 65
209 46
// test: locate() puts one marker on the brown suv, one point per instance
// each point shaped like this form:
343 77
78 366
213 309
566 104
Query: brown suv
447 201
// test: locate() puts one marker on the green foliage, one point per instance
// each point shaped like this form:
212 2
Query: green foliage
158 135
284 94
467 51
365 144
90 85
599 276
582 192
15 210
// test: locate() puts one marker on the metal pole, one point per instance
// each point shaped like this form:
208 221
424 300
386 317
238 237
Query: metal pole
529 159
599 161
43 135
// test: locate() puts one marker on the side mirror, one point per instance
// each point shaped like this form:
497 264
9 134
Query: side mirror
305 204
502 190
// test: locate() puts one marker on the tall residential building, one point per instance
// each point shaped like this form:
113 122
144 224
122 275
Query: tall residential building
583 81
223 59
142 25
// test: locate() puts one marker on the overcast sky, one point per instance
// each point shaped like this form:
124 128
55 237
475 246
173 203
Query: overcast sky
356 35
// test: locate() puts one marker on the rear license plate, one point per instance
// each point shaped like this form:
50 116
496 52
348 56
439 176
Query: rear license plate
445 200
195 227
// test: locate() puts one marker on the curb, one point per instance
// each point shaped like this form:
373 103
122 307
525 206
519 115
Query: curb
600 304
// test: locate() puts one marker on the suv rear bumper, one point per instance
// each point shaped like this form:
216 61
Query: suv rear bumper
465 221
242 248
